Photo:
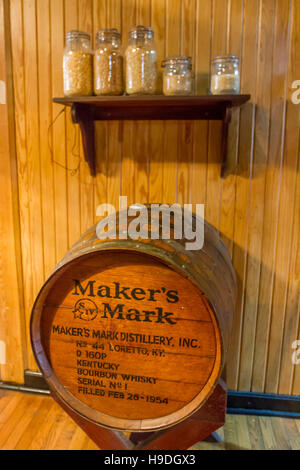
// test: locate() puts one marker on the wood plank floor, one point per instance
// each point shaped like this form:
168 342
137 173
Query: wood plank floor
34 422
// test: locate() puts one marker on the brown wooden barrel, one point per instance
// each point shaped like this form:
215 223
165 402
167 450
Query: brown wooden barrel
133 334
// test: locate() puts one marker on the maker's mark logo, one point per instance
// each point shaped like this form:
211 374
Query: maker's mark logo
85 309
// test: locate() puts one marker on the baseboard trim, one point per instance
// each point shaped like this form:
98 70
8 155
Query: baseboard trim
263 404
22 388
259 412
246 403
34 382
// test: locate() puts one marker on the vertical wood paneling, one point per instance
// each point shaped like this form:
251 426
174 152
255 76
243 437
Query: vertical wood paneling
256 208
58 130
142 128
12 327
172 47
16 9
257 188
185 128
283 253
218 47
245 156
101 182
45 118
33 151
128 163
201 61
227 203
293 302
288 383
272 189
32 144
114 129
72 145
87 183
156 133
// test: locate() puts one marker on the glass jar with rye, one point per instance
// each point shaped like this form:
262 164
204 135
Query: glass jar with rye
177 76
78 64
141 62
225 75
108 63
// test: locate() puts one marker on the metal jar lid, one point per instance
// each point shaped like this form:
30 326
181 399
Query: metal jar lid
177 60
226 57
75 34
104 34
141 32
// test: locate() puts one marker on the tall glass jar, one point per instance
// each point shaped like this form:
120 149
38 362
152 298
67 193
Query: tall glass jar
225 75
108 63
177 76
78 64
141 62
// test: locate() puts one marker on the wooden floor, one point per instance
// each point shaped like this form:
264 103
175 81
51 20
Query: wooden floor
36 422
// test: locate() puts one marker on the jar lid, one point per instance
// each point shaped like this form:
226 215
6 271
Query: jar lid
141 31
77 34
177 59
111 33
221 58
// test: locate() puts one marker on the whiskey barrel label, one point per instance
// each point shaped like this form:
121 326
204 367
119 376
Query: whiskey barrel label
130 337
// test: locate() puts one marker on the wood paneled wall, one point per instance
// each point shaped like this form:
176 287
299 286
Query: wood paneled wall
256 207
12 328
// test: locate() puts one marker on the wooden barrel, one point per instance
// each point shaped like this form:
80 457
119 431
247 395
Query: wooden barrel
133 334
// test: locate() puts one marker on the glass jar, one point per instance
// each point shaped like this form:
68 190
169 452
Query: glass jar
177 76
108 63
225 75
77 64
141 62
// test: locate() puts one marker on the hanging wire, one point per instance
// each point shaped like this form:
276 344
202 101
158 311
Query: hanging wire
75 143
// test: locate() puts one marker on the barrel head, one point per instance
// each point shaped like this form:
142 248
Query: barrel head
126 341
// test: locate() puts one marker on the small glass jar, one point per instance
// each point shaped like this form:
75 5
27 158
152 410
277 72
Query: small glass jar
225 75
78 64
141 62
108 63
177 76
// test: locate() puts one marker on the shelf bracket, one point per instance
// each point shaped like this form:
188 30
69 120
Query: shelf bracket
85 119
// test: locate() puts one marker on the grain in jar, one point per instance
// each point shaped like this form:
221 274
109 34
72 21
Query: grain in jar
225 75
177 76
141 62
78 64
108 63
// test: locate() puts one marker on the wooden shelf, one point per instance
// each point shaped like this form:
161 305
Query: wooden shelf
86 110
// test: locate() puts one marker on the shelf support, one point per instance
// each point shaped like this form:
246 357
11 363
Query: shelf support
85 119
